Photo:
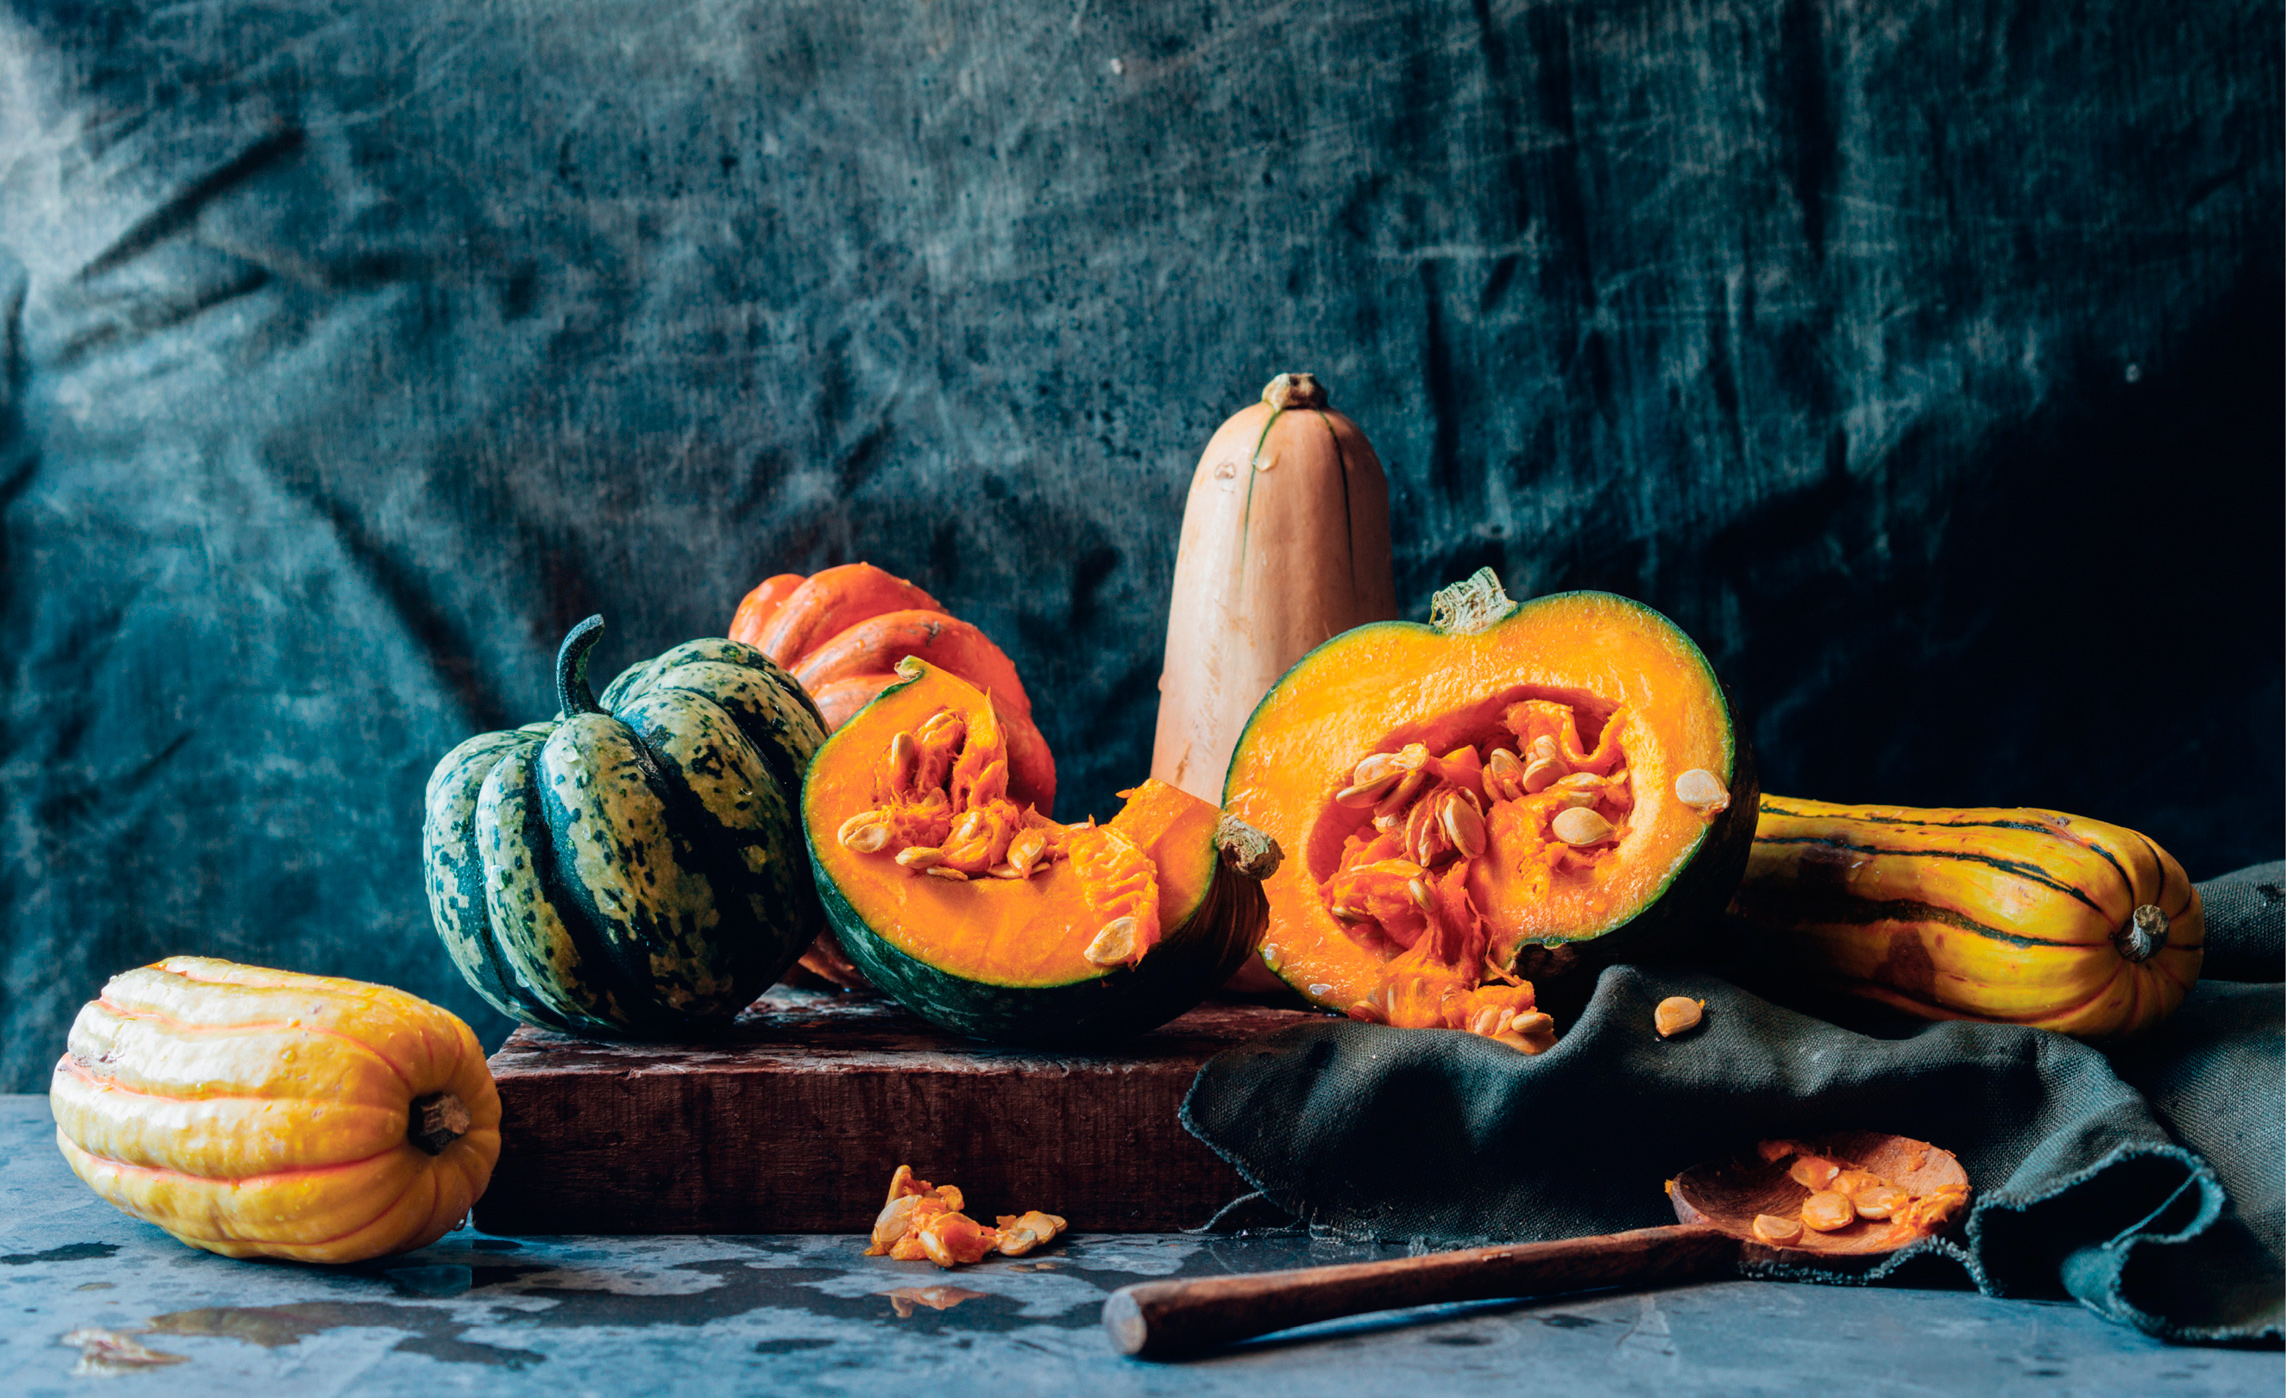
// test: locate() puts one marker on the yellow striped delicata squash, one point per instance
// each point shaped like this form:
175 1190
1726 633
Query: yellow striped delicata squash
2013 915
261 1113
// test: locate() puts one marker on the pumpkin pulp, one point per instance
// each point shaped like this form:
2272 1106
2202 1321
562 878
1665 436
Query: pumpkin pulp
923 843
1473 804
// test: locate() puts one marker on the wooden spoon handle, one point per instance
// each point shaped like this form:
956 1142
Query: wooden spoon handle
1177 1319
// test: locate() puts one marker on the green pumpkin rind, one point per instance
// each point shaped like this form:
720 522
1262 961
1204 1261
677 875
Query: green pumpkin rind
1191 959
456 876
633 868
567 974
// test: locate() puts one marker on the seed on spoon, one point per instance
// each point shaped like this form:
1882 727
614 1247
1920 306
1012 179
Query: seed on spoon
1772 1229
1827 1211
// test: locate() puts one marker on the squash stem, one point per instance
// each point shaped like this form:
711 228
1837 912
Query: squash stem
436 1121
573 692
1247 850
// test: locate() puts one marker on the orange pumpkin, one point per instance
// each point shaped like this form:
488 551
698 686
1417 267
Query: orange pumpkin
842 633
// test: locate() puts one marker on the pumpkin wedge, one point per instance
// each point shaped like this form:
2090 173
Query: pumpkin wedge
2012 915
1514 791
991 920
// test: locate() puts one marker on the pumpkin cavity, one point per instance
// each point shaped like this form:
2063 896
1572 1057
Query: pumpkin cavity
941 809
1487 806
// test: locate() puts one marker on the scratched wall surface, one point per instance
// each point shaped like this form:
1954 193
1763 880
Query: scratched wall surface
1920 357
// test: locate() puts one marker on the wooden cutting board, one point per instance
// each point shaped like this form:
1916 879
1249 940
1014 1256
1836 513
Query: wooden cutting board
794 1121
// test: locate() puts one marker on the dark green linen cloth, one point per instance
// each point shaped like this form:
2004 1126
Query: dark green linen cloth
2150 1183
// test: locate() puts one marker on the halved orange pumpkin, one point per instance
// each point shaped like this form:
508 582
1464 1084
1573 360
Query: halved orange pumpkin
1512 792
989 919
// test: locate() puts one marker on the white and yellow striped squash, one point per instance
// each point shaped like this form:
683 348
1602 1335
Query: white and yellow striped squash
260 1113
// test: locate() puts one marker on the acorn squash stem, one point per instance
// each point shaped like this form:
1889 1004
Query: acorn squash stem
573 692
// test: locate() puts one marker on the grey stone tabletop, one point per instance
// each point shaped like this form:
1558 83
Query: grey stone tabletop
95 1299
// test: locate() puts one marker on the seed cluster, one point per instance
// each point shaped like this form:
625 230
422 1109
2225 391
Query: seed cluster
922 1220
1841 1194
941 810
1530 792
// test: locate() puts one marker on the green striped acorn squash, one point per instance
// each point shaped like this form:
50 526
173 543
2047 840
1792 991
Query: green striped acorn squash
632 867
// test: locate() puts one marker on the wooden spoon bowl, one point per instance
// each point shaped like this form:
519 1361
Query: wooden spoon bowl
1730 1194
1717 1202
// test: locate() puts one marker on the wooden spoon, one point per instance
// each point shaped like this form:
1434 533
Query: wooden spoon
1717 1202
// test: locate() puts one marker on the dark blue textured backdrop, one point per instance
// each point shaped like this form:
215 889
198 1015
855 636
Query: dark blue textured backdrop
1922 359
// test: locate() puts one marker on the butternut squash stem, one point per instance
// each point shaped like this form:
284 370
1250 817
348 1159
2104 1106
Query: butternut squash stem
436 1121
1294 391
573 692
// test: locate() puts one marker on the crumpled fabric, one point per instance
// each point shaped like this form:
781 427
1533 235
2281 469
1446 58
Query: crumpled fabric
352 350
2149 1183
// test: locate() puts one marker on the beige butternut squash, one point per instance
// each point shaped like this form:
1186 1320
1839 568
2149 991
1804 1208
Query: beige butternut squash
1285 545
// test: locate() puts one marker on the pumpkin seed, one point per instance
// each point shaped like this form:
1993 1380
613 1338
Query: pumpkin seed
1401 795
941 871
1772 1229
1421 898
1007 871
1423 840
1677 1014
1464 828
867 832
1576 826
1702 791
1880 1202
1366 794
1827 1211
1543 748
1376 768
1113 944
1543 772
919 857
1532 1022
1503 775
1024 851
1813 1172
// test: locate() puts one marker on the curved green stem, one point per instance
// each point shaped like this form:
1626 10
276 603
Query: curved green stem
573 692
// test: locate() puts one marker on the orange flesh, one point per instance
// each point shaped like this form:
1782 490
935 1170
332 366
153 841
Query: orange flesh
1153 862
1640 703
